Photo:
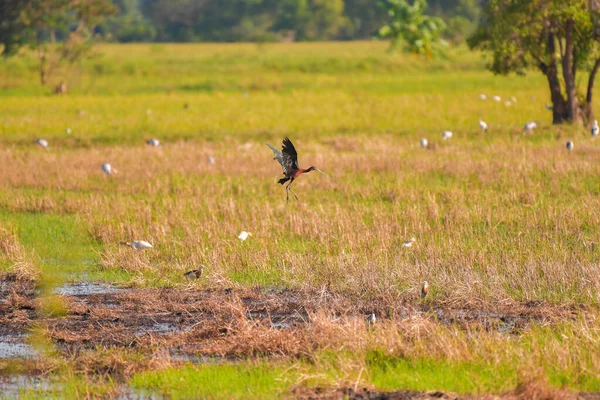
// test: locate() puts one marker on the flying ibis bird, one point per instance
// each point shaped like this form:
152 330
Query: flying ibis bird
424 289
288 158
107 168
446 135
244 235
43 143
138 244
595 129
424 142
482 125
530 126
153 142
570 145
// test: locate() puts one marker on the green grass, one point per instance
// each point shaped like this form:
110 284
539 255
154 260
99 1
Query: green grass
498 217
238 381
60 244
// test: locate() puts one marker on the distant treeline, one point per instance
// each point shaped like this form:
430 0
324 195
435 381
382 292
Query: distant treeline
268 20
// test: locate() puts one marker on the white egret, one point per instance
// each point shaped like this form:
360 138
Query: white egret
43 143
496 98
68 131
570 145
424 142
530 126
482 96
138 244
595 129
371 319
107 169
482 125
244 235
513 99
211 160
507 103
153 142
409 242
446 135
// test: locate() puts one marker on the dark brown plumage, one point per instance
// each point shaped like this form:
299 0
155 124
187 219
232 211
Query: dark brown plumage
195 273
288 158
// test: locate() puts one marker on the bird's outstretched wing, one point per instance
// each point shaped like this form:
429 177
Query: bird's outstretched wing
288 158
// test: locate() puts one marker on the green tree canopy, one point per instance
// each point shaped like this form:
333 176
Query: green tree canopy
410 27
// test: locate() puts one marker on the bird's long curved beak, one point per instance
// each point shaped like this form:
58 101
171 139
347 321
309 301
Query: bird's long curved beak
323 173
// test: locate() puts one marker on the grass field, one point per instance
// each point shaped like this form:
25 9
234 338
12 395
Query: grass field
506 225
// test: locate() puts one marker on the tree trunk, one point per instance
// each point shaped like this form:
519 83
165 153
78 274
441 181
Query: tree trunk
559 105
590 91
42 57
568 70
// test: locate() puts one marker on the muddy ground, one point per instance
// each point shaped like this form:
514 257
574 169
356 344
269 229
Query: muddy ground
194 325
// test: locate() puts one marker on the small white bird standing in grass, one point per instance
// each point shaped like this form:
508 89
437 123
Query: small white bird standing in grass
138 244
409 242
496 98
107 168
424 289
43 143
507 103
482 125
595 129
153 142
211 160
244 235
424 142
371 319
513 99
530 126
446 135
570 145
482 96
68 131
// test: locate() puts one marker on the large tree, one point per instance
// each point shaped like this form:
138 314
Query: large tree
59 30
557 37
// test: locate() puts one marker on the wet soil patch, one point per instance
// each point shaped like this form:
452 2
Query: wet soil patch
17 312
196 325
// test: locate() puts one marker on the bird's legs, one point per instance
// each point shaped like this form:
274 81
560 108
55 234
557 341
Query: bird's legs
289 189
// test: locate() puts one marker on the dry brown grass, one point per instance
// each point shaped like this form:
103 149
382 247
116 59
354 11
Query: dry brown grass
493 222
11 252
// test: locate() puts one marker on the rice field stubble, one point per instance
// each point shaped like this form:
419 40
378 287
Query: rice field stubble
506 226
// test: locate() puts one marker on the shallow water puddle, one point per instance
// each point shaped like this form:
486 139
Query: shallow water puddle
14 346
12 386
86 289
